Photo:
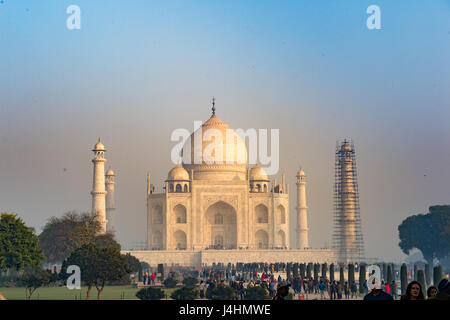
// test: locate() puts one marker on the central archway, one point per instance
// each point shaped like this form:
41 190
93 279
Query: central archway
220 227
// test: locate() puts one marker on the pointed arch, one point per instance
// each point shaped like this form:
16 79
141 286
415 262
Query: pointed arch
179 212
262 239
261 214
281 239
180 240
281 215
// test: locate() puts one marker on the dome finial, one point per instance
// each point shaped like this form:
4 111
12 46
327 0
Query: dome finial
213 106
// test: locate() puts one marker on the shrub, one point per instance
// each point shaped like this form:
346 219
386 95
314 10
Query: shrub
362 278
190 282
421 280
403 277
170 282
256 293
437 275
185 293
150 294
222 293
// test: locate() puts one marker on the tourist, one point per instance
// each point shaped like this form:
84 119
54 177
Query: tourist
339 290
431 292
443 291
201 288
377 293
394 289
271 288
152 277
347 290
322 290
241 290
354 290
366 288
388 288
332 289
145 277
282 290
413 292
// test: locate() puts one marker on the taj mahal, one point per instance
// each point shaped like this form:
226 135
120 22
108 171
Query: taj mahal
221 211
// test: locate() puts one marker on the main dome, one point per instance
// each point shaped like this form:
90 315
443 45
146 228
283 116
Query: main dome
214 151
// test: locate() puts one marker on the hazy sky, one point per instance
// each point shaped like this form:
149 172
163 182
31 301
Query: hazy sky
137 70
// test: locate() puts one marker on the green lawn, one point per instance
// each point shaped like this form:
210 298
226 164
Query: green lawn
62 293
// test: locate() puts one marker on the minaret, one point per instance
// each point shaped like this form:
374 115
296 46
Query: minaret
110 201
347 238
302 218
98 187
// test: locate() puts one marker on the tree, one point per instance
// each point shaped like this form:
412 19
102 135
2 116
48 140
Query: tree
430 233
324 270
362 277
161 271
421 280
404 277
97 265
190 282
170 282
389 274
150 294
33 278
222 292
256 293
302 270
185 293
316 271
437 275
134 265
288 271
111 266
63 235
18 244
341 277
351 273
309 270
107 240
332 272
295 270
427 273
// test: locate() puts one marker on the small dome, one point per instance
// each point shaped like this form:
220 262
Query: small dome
99 146
346 147
178 173
301 173
110 172
258 173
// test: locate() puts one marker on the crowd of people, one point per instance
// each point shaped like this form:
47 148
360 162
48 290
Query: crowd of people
278 288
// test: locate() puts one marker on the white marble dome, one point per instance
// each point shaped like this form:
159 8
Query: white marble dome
221 155
178 173
258 173
99 146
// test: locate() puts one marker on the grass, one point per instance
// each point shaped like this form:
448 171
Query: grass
62 293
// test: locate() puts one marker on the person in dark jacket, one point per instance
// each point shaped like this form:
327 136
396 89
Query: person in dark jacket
377 293
443 291
282 290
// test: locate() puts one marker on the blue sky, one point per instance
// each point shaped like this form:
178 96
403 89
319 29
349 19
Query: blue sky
139 69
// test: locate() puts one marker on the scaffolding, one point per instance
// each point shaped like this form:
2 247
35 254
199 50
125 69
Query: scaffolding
347 236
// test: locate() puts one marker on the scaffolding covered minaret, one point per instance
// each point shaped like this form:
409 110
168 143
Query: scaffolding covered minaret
347 238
